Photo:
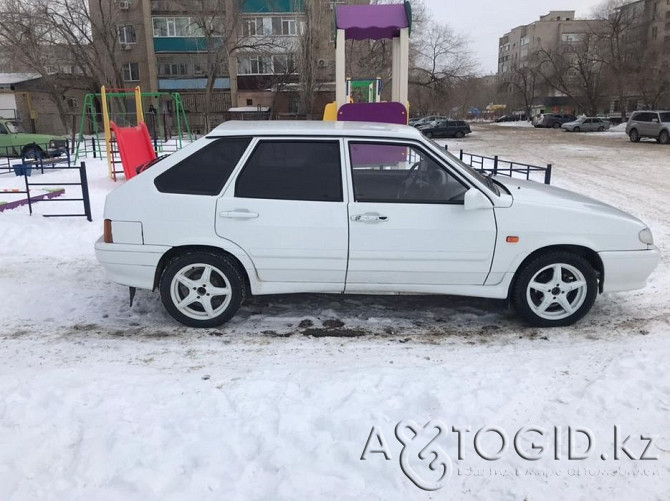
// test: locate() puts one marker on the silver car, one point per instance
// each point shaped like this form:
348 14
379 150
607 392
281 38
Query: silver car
586 124
651 124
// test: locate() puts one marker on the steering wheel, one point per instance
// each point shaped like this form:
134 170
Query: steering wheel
415 184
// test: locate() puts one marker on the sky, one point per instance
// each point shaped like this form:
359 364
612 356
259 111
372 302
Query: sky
485 21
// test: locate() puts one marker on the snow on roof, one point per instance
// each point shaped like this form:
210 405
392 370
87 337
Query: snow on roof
313 128
12 78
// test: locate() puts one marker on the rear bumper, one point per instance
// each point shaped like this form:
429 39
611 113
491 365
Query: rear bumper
628 270
131 265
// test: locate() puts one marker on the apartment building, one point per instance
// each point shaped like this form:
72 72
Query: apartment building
172 45
516 48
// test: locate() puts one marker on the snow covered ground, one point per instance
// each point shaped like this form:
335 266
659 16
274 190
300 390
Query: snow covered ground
104 401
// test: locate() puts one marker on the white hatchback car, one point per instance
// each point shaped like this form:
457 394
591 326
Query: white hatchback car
342 207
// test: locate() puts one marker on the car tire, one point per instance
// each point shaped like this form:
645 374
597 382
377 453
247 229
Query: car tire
576 129
202 289
601 129
429 135
32 152
556 125
554 289
664 137
634 136
460 135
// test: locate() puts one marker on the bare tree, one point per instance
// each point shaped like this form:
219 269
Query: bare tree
621 32
524 82
25 33
575 71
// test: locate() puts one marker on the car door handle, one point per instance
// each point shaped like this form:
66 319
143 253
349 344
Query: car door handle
369 218
239 214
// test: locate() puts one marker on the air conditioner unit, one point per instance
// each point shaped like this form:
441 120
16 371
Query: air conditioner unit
125 46
124 4
322 63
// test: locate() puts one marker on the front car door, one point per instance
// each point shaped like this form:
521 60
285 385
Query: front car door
409 230
287 210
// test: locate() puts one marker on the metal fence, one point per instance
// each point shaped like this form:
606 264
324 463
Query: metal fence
25 167
499 167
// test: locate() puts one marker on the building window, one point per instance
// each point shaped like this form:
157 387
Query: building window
185 27
525 41
284 26
572 37
127 34
172 69
255 65
131 72
654 32
283 64
255 26
197 69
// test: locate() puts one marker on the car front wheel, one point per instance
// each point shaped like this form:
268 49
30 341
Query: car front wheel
556 125
202 289
555 289
664 137
634 136
576 129
460 134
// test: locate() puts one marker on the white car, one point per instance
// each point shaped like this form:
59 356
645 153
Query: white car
342 207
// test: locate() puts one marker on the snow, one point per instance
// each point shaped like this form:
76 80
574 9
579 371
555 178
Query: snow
105 401
520 123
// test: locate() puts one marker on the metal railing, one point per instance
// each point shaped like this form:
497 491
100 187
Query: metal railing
499 167
53 195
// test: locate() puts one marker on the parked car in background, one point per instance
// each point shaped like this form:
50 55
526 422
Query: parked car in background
277 207
586 124
651 124
429 120
552 120
16 142
446 128
514 117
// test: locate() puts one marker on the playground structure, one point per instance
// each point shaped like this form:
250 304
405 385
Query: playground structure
126 143
372 22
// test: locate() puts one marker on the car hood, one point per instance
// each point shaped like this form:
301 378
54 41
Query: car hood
574 122
534 193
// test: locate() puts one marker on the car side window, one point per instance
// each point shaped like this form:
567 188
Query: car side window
292 170
3 130
206 171
398 173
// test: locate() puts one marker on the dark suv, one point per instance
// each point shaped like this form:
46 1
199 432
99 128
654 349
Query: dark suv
652 124
446 128
552 120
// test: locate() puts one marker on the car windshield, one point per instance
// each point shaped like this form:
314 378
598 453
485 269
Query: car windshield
15 127
665 117
486 180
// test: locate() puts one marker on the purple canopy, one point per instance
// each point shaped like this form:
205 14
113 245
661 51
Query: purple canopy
372 22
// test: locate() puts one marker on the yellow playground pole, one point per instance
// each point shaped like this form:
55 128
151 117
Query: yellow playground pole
108 132
138 105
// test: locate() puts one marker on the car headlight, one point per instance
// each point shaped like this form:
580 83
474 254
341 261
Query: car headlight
646 237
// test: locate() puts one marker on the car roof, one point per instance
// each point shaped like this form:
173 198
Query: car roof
312 128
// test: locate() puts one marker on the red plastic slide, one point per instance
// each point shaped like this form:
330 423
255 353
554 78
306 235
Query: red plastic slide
134 146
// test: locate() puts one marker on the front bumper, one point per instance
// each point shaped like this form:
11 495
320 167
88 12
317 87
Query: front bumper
628 270
129 264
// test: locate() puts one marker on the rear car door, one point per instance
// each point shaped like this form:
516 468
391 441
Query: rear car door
287 210
408 225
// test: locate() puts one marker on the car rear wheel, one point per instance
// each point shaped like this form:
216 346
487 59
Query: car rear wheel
555 289
601 129
664 137
634 136
429 135
556 125
460 134
202 289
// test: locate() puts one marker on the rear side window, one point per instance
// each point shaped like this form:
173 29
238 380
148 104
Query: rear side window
292 170
206 171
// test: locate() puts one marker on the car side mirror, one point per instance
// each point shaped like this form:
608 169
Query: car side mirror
655 120
475 199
